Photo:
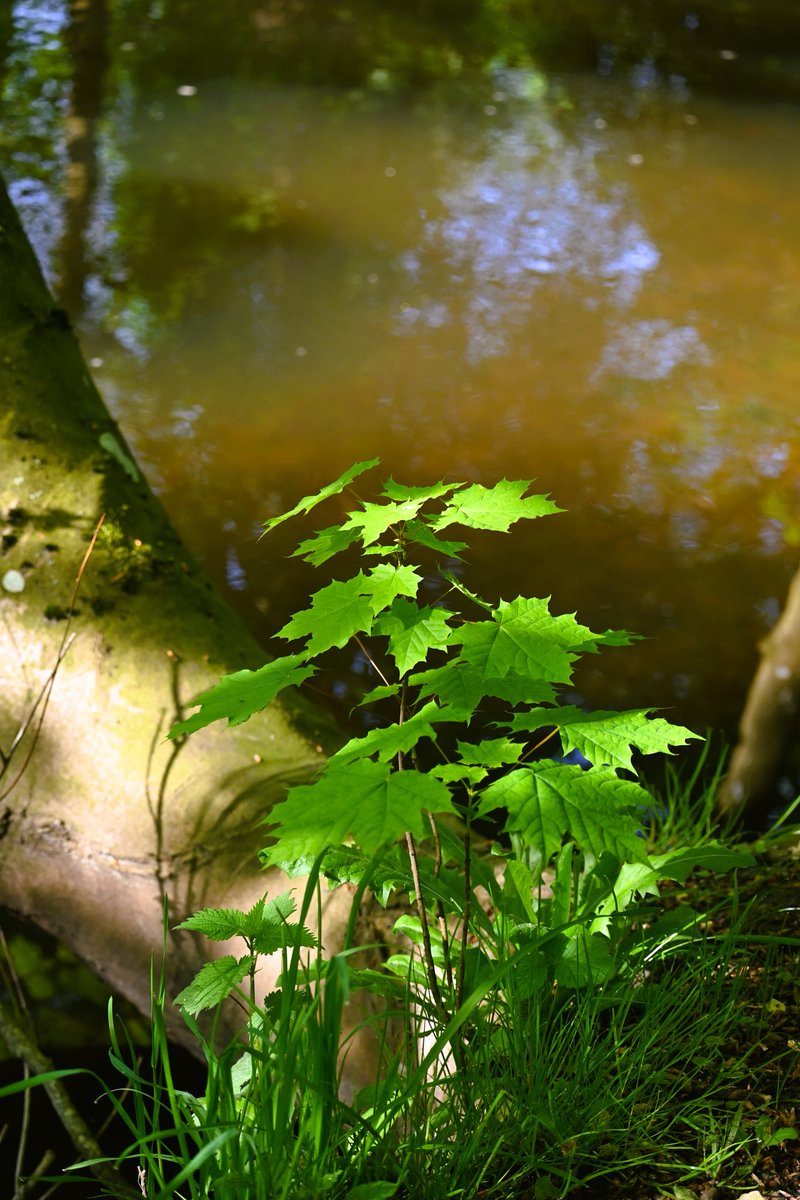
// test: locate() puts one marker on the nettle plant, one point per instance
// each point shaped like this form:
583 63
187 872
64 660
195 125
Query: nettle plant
466 706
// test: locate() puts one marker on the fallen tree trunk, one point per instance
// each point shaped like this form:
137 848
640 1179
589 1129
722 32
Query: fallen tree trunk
99 814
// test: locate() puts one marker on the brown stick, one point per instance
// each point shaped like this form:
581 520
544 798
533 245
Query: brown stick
81 1136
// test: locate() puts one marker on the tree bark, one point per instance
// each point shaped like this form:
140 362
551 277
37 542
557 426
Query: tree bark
99 814
770 723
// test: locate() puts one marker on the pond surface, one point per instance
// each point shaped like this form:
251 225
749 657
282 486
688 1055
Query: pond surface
297 238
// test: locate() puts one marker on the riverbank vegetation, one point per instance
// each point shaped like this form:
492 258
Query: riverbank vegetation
577 992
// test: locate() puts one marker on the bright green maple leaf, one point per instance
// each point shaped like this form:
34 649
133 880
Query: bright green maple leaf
336 613
413 631
330 489
374 519
325 544
213 983
459 773
562 630
395 739
386 581
523 638
494 508
611 637
459 687
459 587
547 800
606 738
365 800
493 752
236 697
383 692
519 689
399 491
419 531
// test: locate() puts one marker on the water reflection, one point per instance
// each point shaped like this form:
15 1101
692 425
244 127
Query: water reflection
533 207
591 284
651 350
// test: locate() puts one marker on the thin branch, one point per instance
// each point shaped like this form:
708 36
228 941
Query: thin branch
22 1142
23 729
539 744
24 1188
81 1136
371 660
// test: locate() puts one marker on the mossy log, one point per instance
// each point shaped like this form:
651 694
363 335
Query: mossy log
100 815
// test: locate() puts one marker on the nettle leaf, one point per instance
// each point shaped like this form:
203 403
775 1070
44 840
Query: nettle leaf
413 631
365 800
395 739
275 912
266 925
218 924
284 934
331 489
605 738
325 544
547 800
269 926
386 582
494 508
238 696
213 983
399 491
494 752
336 613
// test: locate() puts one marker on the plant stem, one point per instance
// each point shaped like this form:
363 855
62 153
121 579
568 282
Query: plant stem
467 904
437 866
430 965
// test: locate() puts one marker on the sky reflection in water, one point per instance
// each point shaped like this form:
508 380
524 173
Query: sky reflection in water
601 294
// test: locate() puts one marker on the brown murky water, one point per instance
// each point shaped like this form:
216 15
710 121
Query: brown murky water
590 282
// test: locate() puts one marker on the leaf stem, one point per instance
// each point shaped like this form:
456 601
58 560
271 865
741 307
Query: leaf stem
371 660
467 904
437 866
433 982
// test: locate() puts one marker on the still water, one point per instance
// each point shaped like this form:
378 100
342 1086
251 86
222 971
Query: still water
590 278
